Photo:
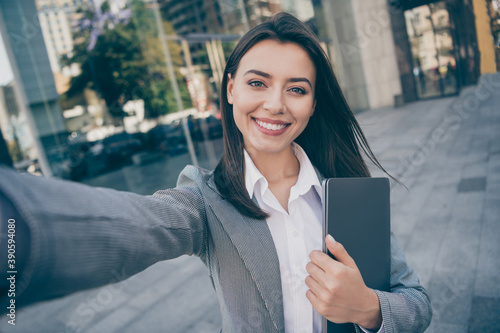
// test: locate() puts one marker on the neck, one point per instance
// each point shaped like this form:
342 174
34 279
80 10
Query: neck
276 166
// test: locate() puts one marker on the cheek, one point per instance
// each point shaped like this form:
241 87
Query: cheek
240 115
238 118
303 125
303 111
246 101
243 104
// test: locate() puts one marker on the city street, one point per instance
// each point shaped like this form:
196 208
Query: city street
446 151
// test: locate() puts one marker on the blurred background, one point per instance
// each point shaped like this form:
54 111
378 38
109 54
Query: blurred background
124 94
88 87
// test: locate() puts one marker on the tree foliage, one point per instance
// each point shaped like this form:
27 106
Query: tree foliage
127 63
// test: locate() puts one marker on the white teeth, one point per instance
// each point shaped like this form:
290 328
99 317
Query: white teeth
274 127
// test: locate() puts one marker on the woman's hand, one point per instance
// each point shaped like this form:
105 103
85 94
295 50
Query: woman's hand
337 290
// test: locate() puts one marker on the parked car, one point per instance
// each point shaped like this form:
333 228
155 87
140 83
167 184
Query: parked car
173 148
142 137
214 128
157 134
86 159
167 138
119 147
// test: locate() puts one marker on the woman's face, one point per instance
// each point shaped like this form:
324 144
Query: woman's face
272 95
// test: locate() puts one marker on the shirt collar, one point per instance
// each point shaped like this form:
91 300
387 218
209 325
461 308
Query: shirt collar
253 176
307 175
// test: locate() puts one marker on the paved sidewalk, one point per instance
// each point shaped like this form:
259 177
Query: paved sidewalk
449 220
447 153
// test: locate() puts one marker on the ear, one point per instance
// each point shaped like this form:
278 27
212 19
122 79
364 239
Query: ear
230 86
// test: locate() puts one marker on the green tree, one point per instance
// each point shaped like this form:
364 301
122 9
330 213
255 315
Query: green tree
127 63
161 97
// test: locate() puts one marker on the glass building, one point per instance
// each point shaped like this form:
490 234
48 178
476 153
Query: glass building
124 93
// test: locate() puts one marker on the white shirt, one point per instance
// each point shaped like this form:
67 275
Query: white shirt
295 235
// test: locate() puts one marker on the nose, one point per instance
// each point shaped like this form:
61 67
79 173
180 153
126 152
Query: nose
274 102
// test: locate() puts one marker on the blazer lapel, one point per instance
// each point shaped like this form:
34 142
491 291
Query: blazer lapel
255 246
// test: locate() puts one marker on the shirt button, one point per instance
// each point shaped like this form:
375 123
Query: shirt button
295 233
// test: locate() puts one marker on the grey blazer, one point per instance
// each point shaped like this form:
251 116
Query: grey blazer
81 237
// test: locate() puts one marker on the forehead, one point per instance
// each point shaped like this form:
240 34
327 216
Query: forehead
278 59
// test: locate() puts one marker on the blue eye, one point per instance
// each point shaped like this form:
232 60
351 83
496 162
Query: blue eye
298 91
256 84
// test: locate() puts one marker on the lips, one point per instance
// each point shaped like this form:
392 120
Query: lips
271 127
274 127
271 124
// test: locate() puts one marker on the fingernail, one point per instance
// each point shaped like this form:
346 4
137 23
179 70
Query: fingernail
331 239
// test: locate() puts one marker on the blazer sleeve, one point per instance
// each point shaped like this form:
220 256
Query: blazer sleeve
406 308
82 237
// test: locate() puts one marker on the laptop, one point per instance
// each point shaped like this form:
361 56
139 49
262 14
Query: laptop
356 212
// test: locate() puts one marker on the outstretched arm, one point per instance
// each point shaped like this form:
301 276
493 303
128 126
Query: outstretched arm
82 237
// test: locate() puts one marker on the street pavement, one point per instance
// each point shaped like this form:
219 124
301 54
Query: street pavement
445 151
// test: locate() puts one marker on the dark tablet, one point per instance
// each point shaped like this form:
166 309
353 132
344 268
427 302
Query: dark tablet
356 212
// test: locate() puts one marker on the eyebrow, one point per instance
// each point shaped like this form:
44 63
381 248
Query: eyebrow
268 76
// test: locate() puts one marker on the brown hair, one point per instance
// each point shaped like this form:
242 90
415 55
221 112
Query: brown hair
332 140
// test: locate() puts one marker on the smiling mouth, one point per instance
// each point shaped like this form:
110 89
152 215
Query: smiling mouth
272 127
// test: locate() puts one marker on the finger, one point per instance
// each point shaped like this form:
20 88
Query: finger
314 285
339 252
323 260
312 297
314 270
319 305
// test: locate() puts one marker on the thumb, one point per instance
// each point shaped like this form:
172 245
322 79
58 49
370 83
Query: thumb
339 252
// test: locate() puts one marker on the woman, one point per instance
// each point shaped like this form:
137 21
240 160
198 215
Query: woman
255 221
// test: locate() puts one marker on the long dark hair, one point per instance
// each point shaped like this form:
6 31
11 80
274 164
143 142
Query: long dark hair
332 140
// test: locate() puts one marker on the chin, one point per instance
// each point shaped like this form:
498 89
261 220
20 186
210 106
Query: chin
269 148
